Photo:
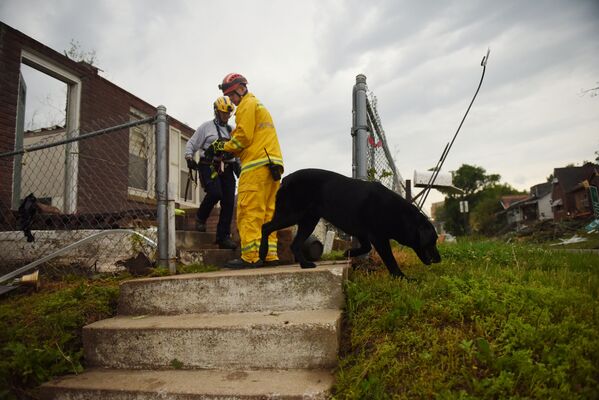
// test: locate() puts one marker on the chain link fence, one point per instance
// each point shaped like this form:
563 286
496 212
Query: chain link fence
381 166
371 158
94 187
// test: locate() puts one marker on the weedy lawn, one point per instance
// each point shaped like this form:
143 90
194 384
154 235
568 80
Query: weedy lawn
491 321
40 333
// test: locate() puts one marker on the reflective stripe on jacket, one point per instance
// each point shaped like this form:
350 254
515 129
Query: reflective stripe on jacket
254 132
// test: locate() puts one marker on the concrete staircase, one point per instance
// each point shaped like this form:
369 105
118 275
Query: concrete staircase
267 333
195 247
199 247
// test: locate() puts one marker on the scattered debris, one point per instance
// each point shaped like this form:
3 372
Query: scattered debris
138 265
446 238
592 227
573 239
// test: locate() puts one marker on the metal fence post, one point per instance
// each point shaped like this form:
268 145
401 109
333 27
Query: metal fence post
170 216
164 258
360 129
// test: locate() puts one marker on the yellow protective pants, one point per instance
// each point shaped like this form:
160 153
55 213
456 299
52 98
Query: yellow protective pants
256 206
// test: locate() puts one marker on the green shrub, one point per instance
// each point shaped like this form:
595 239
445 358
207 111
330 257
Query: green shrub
40 333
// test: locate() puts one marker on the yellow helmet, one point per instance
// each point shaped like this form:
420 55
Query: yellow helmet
224 104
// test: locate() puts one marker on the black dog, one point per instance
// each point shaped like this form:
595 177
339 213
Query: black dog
27 211
366 210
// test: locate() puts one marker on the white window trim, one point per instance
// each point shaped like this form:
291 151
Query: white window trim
196 188
150 192
73 82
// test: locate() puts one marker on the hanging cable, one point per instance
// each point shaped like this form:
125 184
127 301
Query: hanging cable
437 169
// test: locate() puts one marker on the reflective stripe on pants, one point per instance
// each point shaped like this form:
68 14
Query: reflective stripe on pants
256 206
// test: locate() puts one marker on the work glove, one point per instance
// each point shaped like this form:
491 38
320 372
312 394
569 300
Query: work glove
215 148
192 164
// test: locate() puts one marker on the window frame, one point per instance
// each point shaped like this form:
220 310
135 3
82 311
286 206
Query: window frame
149 192
178 165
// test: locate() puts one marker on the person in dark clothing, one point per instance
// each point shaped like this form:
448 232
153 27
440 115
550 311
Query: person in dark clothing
217 172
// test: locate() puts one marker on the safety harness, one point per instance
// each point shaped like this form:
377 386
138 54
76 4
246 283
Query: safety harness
216 164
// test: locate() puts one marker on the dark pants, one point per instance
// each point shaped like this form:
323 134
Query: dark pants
221 188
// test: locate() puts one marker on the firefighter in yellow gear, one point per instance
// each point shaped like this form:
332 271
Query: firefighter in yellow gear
254 140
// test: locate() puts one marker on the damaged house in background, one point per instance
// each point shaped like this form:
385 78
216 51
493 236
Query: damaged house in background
103 182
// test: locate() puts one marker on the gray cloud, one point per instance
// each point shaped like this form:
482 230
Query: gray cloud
421 59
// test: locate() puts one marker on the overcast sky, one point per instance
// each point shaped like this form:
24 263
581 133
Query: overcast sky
421 59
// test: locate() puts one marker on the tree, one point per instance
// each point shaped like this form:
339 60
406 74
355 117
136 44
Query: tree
49 110
48 114
591 92
471 179
480 190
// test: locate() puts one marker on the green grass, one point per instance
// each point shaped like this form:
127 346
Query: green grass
184 269
334 255
40 333
491 321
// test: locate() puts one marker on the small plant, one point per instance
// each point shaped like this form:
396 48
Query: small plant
136 244
334 255
196 268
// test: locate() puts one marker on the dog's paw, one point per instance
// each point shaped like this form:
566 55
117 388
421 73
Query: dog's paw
307 264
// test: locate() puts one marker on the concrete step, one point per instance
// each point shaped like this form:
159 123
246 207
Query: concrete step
192 246
100 384
194 240
283 288
216 257
272 340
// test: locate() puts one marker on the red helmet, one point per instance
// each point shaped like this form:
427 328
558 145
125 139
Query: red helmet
231 82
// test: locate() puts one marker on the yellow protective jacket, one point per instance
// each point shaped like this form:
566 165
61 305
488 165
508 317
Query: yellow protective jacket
254 132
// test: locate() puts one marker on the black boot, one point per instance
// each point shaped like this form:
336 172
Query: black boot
242 264
226 243
201 226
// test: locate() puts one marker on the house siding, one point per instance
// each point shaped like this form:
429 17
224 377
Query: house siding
567 190
544 204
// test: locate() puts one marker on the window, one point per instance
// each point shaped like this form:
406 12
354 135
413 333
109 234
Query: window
68 101
141 157
179 172
184 175
138 160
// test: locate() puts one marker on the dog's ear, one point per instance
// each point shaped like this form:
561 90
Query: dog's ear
427 234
